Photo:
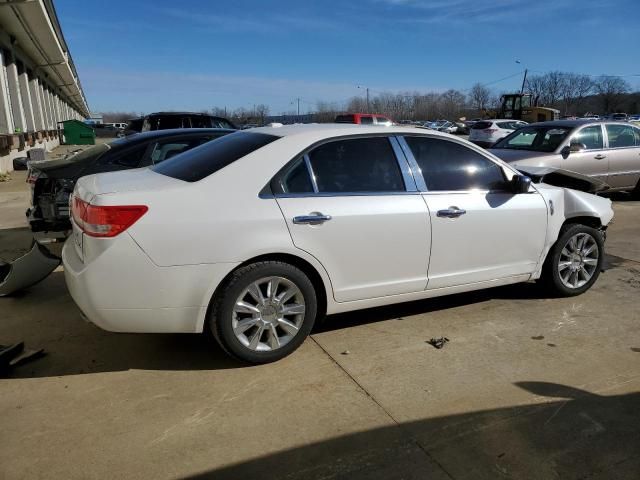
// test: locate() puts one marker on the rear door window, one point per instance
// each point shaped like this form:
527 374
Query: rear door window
366 120
356 165
202 161
621 136
450 166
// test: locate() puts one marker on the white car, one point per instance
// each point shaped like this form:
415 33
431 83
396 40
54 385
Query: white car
487 132
255 235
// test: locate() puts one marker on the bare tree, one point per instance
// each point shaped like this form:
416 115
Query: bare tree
262 111
610 90
479 97
574 88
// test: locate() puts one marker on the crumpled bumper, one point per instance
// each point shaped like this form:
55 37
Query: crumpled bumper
27 270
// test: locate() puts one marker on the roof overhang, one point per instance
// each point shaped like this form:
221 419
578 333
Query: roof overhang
35 31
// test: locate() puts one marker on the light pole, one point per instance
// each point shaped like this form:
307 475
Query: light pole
524 80
367 89
298 101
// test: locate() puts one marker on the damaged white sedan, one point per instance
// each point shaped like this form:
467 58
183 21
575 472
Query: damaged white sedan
255 235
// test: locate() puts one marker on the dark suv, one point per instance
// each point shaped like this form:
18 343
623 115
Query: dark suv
167 120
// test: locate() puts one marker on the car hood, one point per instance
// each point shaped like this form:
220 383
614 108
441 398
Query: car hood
564 178
510 155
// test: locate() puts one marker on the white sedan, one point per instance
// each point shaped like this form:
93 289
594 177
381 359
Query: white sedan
255 235
487 132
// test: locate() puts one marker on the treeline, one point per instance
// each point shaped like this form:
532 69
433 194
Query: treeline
571 93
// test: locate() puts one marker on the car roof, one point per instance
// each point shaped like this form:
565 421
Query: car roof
341 129
153 134
193 114
575 123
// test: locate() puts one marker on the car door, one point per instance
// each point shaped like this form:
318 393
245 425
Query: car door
480 229
353 205
591 159
623 151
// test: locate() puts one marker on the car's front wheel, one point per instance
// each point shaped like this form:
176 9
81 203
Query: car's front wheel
574 262
264 311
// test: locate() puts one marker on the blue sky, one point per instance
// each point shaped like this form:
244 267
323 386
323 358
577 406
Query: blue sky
150 55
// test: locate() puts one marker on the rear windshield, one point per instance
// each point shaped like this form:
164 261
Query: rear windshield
345 119
202 161
481 125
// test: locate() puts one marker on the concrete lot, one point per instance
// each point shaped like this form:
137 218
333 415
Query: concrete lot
528 387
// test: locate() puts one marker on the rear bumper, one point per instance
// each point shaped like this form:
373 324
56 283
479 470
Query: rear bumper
123 291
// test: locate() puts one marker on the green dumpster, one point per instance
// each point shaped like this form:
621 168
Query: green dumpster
76 132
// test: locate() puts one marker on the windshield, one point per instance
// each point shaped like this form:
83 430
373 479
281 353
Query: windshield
536 139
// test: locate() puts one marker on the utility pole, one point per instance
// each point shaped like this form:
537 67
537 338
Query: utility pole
524 80
368 109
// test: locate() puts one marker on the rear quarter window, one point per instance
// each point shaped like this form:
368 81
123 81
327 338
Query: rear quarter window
202 161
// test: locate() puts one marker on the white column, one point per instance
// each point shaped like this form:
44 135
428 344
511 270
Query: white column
6 118
36 101
19 119
45 109
25 91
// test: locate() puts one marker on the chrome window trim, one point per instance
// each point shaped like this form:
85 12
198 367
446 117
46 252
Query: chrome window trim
338 194
413 164
312 175
410 184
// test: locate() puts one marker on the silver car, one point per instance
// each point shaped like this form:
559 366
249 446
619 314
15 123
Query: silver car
608 151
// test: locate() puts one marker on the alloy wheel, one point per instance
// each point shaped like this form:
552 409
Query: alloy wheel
578 260
268 314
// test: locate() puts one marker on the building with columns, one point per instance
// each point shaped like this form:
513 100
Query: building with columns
39 85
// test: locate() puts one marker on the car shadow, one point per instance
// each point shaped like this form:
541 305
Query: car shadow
578 434
45 316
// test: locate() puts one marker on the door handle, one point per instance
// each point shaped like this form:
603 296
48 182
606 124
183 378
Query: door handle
451 212
600 156
312 219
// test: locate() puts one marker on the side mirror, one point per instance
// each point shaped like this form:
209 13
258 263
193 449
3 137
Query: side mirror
566 150
520 183
577 147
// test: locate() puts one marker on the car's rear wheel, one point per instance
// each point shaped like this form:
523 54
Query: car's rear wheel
575 261
263 312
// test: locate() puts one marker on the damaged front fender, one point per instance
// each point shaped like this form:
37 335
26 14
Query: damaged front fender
27 270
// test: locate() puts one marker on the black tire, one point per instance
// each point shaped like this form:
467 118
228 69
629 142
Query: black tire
221 313
551 278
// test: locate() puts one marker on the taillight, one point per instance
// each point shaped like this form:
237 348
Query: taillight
105 221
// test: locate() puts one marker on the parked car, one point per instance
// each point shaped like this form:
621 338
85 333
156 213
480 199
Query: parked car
364 119
255 235
618 117
444 126
171 120
134 125
608 151
52 181
487 132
